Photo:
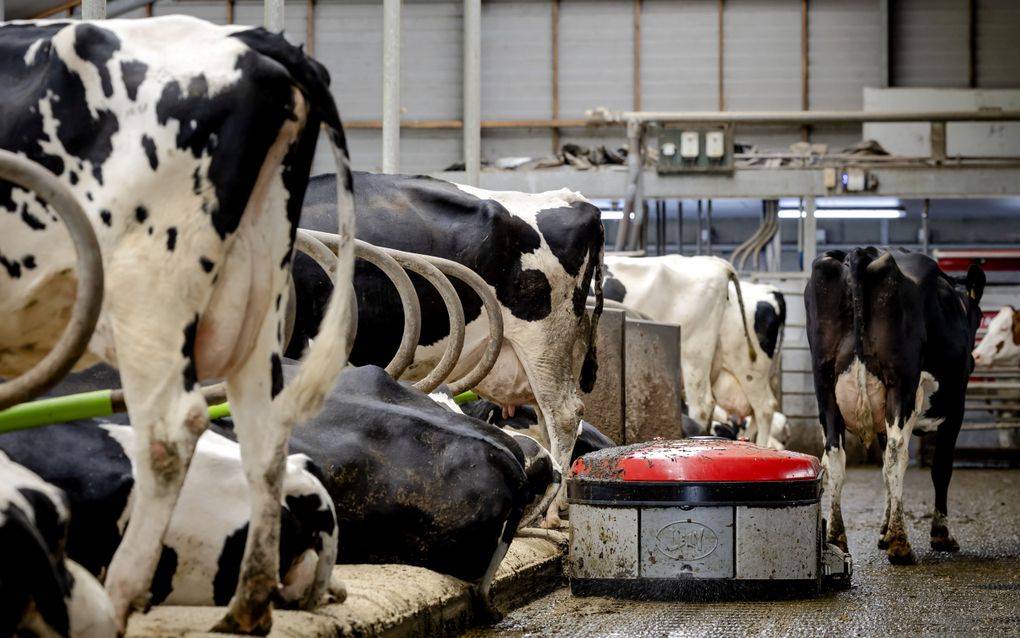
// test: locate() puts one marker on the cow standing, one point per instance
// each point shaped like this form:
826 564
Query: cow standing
538 253
1001 344
695 293
189 146
890 337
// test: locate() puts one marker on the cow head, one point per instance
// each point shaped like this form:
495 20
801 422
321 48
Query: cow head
1001 345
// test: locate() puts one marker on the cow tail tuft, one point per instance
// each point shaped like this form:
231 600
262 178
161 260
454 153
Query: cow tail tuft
589 370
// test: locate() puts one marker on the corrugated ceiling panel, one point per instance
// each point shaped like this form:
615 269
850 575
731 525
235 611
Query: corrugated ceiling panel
998 50
211 11
596 56
680 55
348 41
516 60
761 55
844 52
928 43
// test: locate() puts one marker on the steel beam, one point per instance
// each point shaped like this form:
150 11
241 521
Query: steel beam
472 90
810 242
272 15
602 116
391 86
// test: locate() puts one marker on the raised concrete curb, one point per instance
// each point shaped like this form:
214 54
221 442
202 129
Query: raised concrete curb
391 601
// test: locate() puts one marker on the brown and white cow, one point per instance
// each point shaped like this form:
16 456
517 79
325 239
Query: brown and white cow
189 146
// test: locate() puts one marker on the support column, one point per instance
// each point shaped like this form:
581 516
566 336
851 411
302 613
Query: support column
2 11
810 234
391 86
924 225
272 16
93 10
472 90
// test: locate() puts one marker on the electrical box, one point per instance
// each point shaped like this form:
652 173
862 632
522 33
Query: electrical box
690 148
715 145
689 144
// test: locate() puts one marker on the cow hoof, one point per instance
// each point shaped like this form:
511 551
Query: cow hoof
883 542
258 624
550 522
944 544
840 542
900 552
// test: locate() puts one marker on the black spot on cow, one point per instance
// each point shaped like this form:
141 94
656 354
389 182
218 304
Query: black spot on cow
151 229
48 521
614 289
150 151
227 566
767 324
88 196
279 298
276 371
28 261
207 264
106 216
566 236
133 74
171 238
163 579
196 185
73 176
310 509
190 376
31 220
97 46
12 266
141 214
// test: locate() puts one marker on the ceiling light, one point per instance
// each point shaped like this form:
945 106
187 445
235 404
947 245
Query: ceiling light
846 213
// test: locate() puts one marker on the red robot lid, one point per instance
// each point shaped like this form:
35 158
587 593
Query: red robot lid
695 460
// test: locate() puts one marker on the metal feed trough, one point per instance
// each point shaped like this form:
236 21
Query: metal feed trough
699 515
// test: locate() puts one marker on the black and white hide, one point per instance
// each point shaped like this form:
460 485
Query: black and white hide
42 592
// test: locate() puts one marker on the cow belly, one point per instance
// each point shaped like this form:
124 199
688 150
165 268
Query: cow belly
861 400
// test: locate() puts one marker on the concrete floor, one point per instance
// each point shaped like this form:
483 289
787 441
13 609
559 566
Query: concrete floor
975 592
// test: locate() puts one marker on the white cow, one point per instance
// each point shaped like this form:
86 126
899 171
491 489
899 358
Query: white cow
716 343
189 146
1001 345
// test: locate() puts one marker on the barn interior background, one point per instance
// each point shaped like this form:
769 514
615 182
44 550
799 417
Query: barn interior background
504 99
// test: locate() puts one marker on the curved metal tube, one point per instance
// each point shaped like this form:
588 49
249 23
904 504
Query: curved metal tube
495 316
435 277
408 298
310 245
88 301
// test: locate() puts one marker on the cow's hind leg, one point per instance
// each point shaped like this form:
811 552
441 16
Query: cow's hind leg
941 473
168 414
263 439
908 404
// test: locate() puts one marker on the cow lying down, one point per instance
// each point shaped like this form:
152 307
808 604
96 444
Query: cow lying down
412 482
42 593
201 556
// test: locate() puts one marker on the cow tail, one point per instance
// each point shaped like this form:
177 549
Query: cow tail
589 370
751 352
302 398
858 265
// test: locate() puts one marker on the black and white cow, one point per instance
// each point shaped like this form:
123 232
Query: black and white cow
189 146
414 482
890 337
201 553
1000 346
538 253
722 363
42 592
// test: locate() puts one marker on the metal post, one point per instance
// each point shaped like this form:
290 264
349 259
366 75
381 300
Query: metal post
924 225
630 196
472 90
708 228
391 86
679 227
2 18
810 234
93 10
700 229
272 15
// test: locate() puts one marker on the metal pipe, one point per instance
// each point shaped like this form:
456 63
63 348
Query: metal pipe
93 10
272 15
679 227
708 228
810 234
492 313
391 86
600 116
472 90
924 225
635 133
701 229
88 300
325 257
2 11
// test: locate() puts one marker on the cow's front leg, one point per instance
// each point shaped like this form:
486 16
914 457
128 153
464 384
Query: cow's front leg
941 473
894 467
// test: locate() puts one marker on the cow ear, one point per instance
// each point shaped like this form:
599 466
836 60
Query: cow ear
975 283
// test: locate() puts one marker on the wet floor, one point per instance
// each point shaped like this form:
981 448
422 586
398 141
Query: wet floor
975 592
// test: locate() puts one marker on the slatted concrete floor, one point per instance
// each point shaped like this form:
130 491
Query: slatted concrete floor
973 593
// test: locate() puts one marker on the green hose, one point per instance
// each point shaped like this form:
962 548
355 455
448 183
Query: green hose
464 397
72 407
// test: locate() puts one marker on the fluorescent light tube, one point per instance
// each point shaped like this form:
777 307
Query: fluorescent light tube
846 213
